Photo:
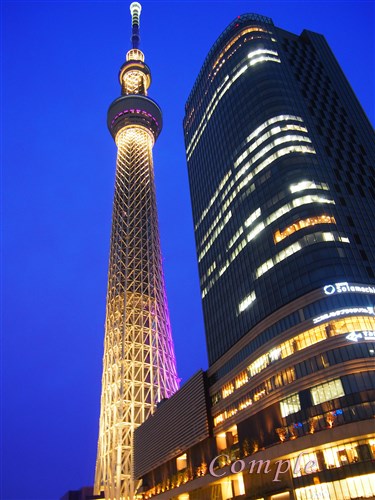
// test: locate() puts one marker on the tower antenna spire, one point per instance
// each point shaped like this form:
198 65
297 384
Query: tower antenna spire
135 9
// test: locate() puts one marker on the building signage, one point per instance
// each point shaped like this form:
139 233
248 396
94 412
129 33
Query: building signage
346 287
355 336
343 312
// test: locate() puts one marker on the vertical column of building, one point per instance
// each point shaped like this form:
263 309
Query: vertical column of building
138 365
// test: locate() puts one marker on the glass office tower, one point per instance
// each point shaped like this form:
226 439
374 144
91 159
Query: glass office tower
281 166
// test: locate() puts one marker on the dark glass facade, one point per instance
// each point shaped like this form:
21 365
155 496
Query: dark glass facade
281 168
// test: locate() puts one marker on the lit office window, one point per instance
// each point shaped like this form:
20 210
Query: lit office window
303 185
270 133
228 389
213 198
252 217
294 148
300 224
255 57
301 341
256 135
214 235
246 302
307 240
263 152
235 237
258 365
328 391
290 405
181 462
254 232
235 39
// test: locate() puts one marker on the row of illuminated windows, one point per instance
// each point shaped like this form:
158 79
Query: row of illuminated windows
352 304
263 126
225 203
246 302
285 209
235 237
263 152
216 97
215 234
213 199
255 57
310 239
307 184
210 270
235 39
229 55
309 425
213 226
214 72
228 200
335 356
281 379
359 486
254 134
253 217
319 393
292 345
220 60
294 148
362 486
267 135
259 59
301 224
270 133
278 154
330 457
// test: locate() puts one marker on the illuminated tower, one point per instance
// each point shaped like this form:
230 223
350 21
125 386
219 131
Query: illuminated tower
138 365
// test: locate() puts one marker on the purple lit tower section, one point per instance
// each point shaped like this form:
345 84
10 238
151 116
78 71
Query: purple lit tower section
139 367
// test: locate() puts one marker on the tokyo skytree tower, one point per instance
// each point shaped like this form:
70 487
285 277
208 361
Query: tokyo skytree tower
139 368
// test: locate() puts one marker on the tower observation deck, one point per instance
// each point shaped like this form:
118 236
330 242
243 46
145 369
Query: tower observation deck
139 367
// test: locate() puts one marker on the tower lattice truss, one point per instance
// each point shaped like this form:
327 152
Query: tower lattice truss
138 366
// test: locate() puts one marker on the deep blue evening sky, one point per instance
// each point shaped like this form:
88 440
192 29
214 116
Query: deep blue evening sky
60 65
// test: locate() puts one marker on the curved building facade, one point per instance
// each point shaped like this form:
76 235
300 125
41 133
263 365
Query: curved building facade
281 167
280 160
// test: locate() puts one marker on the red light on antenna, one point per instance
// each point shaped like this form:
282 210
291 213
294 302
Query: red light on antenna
237 25
238 17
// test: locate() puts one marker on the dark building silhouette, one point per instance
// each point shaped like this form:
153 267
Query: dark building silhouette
281 167
85 493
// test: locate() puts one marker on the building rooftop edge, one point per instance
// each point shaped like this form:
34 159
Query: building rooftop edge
219 40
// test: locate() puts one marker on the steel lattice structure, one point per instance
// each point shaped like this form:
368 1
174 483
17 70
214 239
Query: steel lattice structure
139 367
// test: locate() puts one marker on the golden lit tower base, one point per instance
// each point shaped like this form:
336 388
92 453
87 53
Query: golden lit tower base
139 367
